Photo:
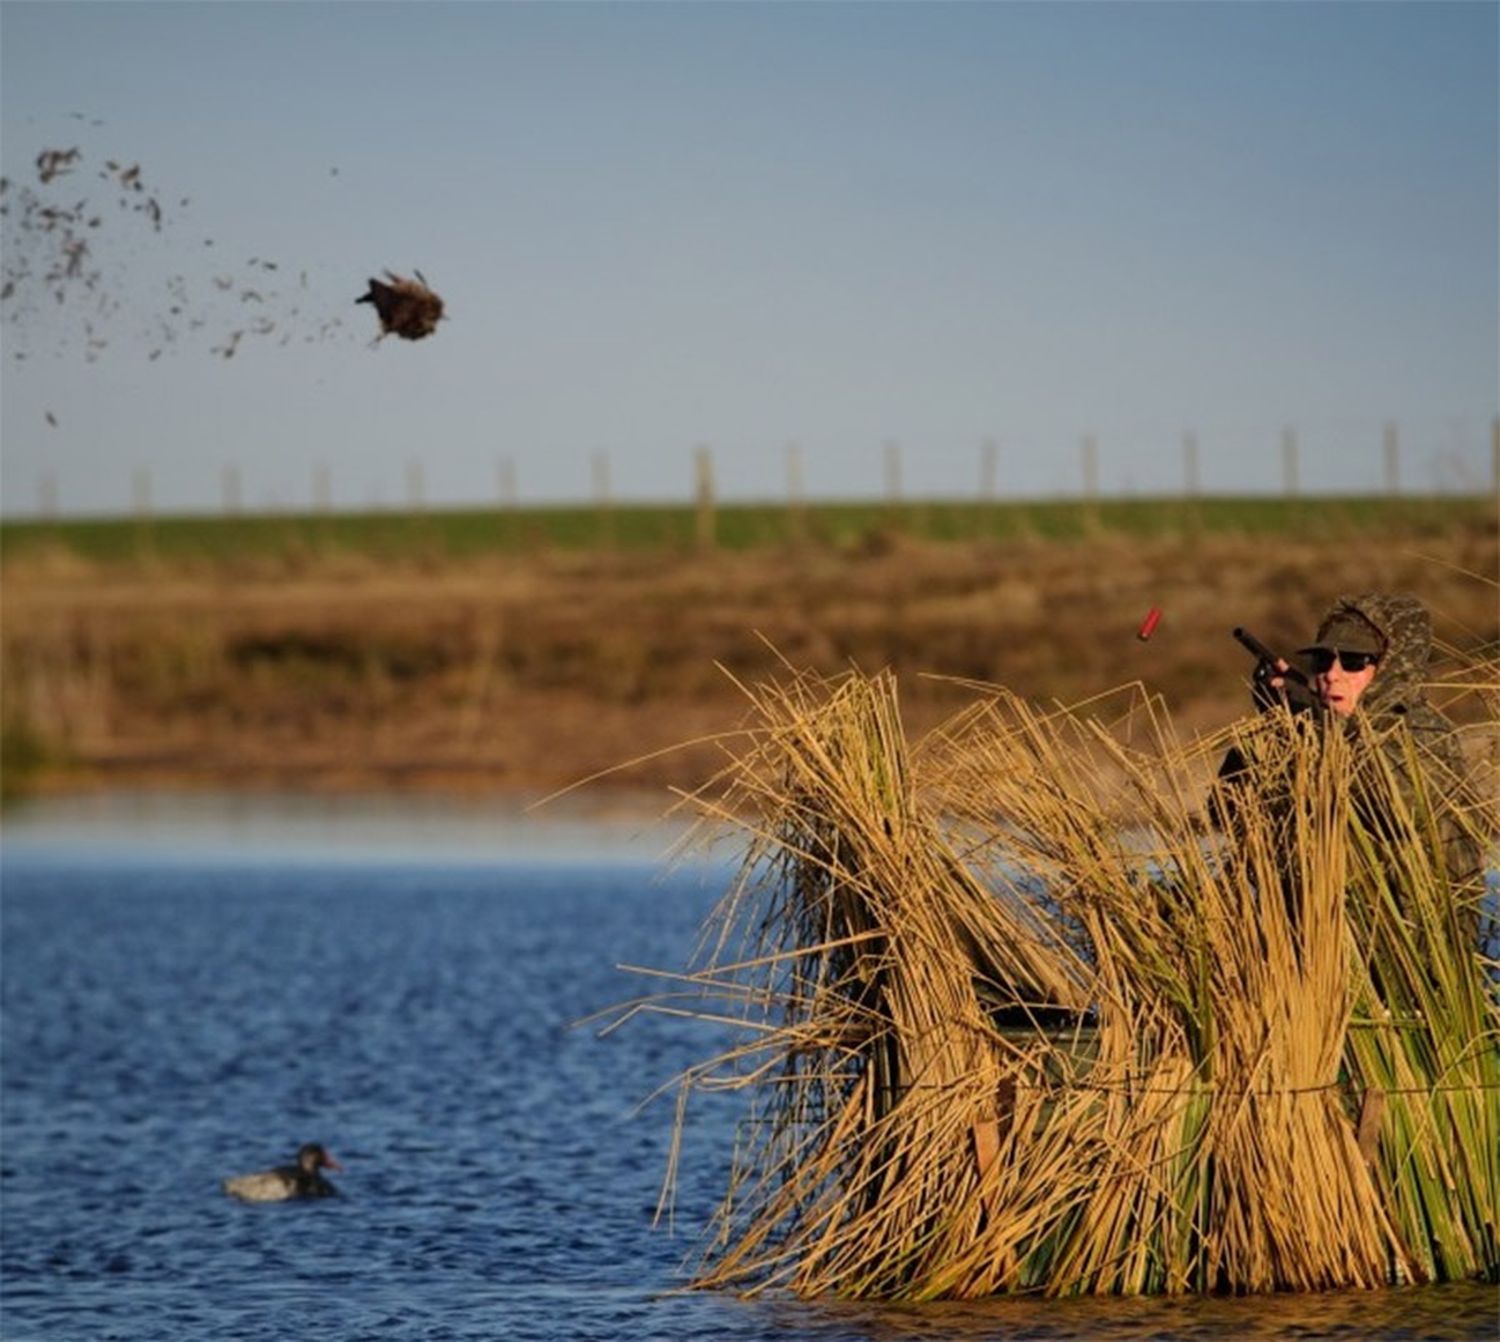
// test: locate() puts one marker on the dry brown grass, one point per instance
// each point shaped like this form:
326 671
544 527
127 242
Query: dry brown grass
1015 1021
533 671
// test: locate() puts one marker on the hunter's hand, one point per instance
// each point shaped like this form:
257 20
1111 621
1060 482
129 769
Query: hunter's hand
1267 683
1270 685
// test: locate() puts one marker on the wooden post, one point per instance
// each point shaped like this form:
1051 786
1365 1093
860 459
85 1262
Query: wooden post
1090 467
989 457
1289 473
796 506
705 522
140 493
892 471
1090 453
604 502
140 489
1391 444
1192 485
891 466
987 1135
1495 455
505 486
1367 1130
986 516
229 479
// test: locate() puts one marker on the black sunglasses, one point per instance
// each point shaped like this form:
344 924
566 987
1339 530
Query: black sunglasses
1322 659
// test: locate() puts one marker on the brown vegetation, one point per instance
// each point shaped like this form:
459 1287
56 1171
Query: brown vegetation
533 671
1012 1022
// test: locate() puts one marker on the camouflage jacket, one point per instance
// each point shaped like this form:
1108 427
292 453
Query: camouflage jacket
1395 717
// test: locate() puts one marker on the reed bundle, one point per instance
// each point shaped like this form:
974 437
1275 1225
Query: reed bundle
1036 1005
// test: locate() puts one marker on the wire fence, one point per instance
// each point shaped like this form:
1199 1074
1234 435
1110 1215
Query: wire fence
1441 458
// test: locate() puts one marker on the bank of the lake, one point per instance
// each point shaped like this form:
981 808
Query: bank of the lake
339 668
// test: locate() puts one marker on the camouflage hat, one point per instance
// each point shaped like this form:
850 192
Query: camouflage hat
1348 631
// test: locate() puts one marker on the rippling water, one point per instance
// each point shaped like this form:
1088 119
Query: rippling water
174 1016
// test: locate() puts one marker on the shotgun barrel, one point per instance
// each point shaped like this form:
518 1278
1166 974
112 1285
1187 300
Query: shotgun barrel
1264 654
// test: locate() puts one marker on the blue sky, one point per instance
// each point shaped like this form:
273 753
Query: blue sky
744 225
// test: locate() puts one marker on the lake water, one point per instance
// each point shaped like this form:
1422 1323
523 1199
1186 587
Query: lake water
191 988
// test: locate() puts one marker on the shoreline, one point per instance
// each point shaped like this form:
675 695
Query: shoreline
529 675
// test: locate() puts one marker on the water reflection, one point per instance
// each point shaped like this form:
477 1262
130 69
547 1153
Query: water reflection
1463 1311
616 827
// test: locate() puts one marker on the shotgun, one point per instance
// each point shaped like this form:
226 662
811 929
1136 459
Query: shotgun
1253 644
1295 690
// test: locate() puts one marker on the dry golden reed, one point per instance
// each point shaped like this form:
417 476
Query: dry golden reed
1016 1015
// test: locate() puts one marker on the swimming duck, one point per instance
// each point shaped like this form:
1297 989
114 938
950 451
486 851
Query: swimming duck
301 1180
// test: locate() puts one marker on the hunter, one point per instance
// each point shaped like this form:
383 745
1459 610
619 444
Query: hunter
1366 675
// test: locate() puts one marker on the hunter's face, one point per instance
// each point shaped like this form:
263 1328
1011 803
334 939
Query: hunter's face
1340 689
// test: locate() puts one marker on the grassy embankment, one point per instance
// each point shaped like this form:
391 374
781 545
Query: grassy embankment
527 648
455 534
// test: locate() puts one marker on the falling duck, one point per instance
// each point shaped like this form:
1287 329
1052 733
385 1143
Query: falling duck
406 307
286 1182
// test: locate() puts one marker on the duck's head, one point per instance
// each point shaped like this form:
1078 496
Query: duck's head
312 1157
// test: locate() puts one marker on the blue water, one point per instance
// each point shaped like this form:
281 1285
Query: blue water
175 1015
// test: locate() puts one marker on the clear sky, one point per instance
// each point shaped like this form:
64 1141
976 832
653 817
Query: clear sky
743 225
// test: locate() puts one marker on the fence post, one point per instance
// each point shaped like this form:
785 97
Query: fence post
140 491
1495 455
989 474
1192 484
229 481
705 522
1090 465
989 457
796 508
505 485
892 471
604 501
